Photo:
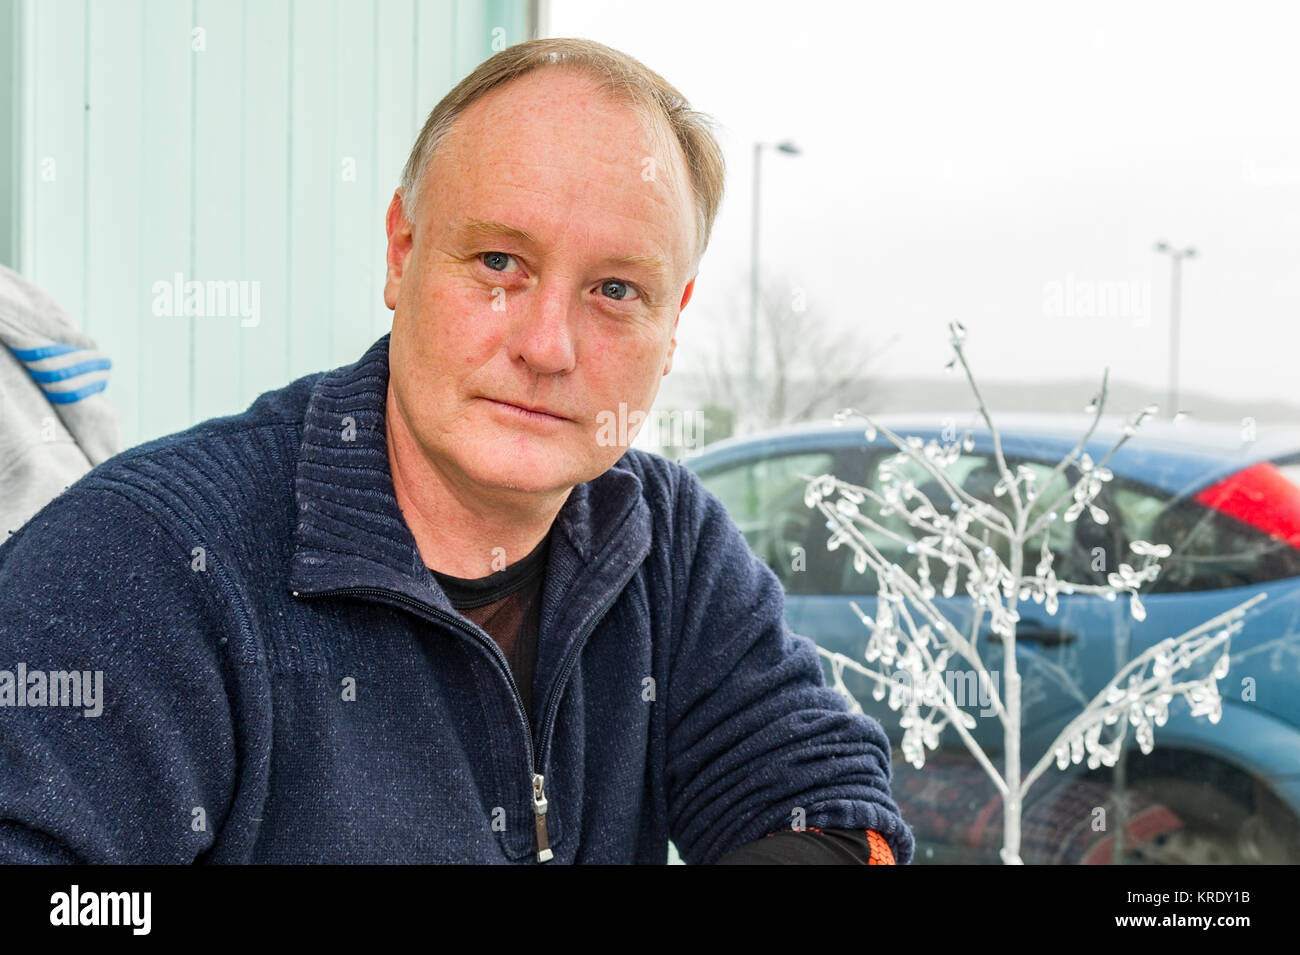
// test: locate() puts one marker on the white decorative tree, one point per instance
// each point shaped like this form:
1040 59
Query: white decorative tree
912 642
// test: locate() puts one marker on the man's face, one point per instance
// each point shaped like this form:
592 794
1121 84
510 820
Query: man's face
546 269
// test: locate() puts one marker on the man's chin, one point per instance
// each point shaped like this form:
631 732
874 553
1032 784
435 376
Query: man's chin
523 467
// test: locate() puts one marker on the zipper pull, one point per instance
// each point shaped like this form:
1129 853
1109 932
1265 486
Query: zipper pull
544 853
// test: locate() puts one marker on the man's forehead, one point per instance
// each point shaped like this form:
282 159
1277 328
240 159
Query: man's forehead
525 141
530 138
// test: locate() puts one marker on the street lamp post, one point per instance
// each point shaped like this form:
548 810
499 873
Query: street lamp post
1176 257
790 149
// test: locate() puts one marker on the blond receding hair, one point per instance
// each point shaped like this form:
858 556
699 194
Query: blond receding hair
624 78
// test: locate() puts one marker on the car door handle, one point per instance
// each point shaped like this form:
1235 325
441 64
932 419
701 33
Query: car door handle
1033 632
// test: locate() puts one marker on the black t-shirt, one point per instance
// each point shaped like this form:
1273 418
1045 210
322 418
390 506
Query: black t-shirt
507 604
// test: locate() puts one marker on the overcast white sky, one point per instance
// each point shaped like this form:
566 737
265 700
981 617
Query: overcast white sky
960 158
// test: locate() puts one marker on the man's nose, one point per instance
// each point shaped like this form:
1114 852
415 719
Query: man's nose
543 328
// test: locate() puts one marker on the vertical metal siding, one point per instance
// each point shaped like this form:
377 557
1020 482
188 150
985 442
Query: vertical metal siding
268 156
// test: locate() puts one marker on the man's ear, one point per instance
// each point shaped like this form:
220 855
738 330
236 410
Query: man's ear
400 241
686 295
672 342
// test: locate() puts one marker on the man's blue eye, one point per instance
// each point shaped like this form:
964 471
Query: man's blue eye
496 261
619 291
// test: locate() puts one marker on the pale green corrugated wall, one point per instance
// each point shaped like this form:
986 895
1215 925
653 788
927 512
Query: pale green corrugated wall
270 155
10 88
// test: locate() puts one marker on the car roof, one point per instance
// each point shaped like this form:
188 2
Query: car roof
1178 457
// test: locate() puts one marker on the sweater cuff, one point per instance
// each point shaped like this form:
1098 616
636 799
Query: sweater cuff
813 846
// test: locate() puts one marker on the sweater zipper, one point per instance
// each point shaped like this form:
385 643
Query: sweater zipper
540 802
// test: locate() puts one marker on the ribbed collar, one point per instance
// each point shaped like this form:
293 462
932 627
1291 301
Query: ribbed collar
351 534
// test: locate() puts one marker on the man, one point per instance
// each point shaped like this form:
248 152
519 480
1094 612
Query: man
418 608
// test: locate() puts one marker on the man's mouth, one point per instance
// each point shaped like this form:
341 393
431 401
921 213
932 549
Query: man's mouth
528 412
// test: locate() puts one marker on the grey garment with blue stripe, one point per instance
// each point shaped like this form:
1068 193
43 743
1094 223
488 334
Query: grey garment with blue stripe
55 422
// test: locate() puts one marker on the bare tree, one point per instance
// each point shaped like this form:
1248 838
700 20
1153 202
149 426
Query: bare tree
808 365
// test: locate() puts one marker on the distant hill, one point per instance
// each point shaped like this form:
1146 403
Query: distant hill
893 395
1124 398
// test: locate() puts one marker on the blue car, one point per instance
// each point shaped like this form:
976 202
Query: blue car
1227 501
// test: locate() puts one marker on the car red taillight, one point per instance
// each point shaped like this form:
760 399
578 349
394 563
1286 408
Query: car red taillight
1261 496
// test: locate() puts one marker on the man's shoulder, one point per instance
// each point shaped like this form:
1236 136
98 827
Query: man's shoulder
282 407
231 470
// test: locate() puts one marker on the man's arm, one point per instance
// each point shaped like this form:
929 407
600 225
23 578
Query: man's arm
756 741
96 597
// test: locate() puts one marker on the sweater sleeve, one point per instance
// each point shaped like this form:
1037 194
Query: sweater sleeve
99 601
757 742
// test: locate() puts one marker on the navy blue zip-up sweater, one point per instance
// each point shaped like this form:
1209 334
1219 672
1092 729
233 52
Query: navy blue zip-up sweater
283 680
